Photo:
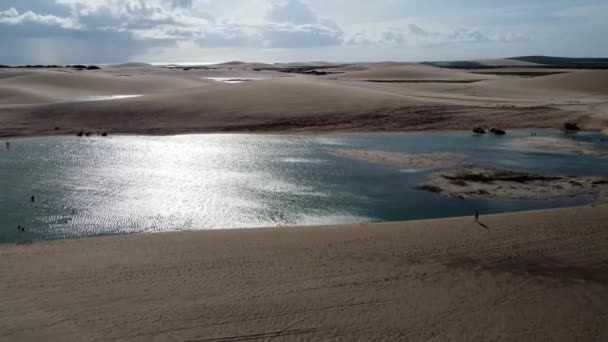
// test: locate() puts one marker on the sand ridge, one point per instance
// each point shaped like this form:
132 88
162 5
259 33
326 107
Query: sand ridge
412 72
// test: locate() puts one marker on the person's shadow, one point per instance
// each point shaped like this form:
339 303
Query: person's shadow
483 225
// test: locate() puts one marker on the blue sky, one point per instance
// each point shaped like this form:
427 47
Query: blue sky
107 31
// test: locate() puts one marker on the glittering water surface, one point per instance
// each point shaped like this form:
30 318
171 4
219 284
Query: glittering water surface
132 184
233 80
92 98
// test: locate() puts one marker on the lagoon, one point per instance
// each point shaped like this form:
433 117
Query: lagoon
126 184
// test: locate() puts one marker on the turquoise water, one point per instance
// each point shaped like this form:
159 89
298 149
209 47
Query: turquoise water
132 184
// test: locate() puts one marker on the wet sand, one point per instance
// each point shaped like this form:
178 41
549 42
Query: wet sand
395 159
557 145
482 183
531 276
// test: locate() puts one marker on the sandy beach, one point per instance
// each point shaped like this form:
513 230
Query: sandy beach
358 97
511 277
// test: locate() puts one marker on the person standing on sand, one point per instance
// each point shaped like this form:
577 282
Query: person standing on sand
476 215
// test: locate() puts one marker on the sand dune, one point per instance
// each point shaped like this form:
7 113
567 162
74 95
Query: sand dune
307 64
50 86
534 276
98 82
9 73
353 67
177 100
284 104
129 65
572 88
505 62
571 84
293 95
384 64
242 65
588 82
410 72
11 95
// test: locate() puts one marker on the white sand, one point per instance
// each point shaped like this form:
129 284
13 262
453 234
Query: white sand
533 276
33 102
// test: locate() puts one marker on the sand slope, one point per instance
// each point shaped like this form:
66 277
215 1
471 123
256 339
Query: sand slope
570 87
49 86
505 62
590 82
129 65
534 276
410 72
15 95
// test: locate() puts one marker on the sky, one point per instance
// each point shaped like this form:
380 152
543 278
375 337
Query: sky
206 31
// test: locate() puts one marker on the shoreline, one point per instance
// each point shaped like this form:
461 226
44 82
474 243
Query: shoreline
313 132
287 227
527 274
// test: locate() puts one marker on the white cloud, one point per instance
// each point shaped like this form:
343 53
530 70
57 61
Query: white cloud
148 24
125 28
292 11
393 37
467 35
416 35
13 17
358 38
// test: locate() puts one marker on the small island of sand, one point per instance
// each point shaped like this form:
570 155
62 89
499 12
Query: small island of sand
396 159
479 183
557 145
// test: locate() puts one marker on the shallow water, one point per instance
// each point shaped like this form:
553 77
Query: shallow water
92 98
235 80
133 184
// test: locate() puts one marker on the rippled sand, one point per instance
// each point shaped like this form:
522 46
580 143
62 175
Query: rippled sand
513 277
